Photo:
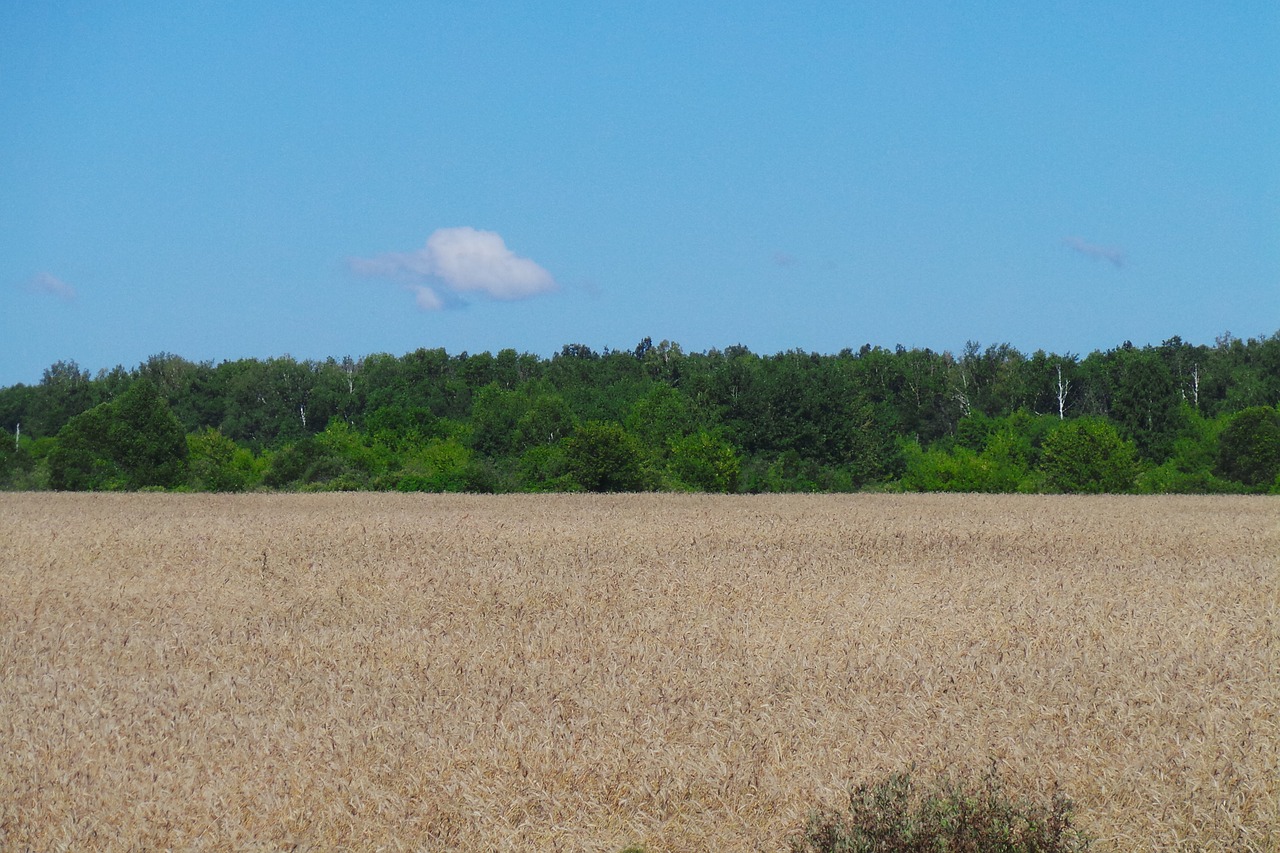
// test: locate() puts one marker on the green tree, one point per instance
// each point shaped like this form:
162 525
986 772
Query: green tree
512 369
64 392
705 463
547 420
1249 447
874 453
1145 401
293 465
147 438
494 415
441 465
336 459
1088 455
1051 383
82 460
354 463
14 460
603 457
268 402
659 419
398 429
1190 467
962 470
991 382
543 468
216 464
131 443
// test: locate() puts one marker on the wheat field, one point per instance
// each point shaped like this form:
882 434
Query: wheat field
572 672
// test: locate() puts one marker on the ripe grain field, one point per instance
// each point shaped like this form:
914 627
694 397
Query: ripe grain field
584 672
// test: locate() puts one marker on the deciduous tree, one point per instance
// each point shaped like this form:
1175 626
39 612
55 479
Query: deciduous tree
1249 447
1088 455
604 457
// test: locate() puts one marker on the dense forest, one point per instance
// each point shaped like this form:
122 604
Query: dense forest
1170 418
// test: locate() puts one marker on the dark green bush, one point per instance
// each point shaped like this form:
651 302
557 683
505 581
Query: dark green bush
131 442
896 815
1249 448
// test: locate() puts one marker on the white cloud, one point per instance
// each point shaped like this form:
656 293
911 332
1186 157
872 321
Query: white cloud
51 284
1091 250
461 260
426 298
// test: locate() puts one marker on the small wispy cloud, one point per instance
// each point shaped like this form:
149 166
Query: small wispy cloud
1093 250
426 298
460 261
52 285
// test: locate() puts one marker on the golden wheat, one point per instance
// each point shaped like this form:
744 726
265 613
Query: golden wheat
583 672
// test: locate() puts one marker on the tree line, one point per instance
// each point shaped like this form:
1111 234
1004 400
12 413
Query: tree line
1176 417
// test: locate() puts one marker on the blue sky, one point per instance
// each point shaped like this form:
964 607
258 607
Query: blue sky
228 180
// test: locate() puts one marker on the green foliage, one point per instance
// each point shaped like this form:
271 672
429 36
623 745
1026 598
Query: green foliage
442 465
721 421
873 452
337 459
266 403
495 412
146 438
64 392
601 456
960 470
19 465
1088 455
296 465
1171 479
660 419
35 476
1190 467
973 431
82 459
897 815
1145 401
133 442
990 455
545 422
216 464
1033 429
704 463
545 468
398 429
1249 448
788 472
357 462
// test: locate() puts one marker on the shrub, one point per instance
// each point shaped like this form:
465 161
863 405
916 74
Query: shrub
1249 448
215 463
895 815
1088 455
704 462
998 468
543 469
439 466
604 457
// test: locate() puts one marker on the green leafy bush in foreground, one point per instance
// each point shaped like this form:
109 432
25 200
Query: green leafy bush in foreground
896 815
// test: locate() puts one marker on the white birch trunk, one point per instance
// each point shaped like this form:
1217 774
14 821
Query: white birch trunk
1063 389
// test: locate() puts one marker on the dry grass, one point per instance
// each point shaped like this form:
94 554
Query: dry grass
582 673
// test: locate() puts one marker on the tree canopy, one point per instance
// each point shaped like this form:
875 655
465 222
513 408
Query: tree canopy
1173 417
